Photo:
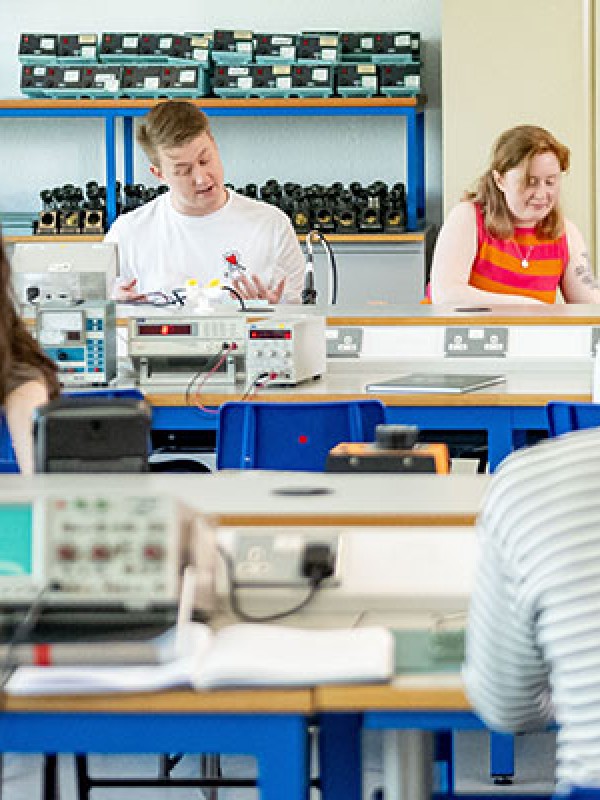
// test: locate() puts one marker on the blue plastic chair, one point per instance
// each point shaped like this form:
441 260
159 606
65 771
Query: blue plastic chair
8 460
115 394
580 794
565 417
291 436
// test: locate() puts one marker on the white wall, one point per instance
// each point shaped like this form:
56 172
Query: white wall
497 74
40 153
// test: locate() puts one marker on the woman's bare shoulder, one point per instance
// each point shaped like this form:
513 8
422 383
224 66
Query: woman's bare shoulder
462 217
465 210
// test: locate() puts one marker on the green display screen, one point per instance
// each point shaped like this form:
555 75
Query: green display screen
16 540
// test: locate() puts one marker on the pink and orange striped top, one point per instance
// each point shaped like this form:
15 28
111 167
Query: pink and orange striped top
499 267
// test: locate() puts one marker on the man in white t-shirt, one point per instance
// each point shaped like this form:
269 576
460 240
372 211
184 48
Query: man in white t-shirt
199 229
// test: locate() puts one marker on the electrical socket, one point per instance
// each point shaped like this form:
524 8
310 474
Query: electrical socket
274 558
343 342
476 342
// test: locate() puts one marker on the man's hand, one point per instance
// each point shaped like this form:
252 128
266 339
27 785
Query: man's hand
126 293
254 289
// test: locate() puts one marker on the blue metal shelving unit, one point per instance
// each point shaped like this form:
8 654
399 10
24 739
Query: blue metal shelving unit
411 109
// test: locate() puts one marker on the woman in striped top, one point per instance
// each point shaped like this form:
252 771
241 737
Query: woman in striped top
508 242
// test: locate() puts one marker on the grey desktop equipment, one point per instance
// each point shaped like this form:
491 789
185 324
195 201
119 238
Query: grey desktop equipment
81 338
68 272
92 434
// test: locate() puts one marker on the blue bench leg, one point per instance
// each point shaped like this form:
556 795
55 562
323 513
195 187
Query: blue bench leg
340 756
283 761
502 758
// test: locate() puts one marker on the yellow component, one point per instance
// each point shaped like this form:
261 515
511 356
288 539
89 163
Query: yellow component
213 284
191 283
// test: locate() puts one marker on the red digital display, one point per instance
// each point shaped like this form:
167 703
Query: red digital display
263 334
164 330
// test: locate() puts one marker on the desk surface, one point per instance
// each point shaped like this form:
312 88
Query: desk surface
248 700
258 497
391 315
423 692
523 387
466 314
406 692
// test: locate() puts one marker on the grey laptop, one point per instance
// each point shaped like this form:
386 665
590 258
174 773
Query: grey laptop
422 382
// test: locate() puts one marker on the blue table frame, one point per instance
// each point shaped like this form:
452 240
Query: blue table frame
506 426
340 747
279 741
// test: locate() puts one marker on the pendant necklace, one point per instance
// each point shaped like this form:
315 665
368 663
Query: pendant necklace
524 257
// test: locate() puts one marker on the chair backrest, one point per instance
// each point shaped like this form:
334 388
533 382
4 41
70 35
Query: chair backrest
113 394
291 436
565 417
8 460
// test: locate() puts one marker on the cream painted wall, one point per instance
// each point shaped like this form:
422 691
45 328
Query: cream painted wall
42 153
513 62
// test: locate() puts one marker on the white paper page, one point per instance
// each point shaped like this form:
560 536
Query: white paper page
269 655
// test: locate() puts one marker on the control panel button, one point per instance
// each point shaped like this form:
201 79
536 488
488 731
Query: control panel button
66 552
100 552
154 552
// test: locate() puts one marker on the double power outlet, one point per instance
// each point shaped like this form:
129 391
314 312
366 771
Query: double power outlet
274 558
488 342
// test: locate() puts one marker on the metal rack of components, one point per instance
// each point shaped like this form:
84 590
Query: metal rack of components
110 111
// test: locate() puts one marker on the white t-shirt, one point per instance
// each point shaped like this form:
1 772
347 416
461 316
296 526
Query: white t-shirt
162 248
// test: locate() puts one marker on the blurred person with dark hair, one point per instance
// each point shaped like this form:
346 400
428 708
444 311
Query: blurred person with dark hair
27 376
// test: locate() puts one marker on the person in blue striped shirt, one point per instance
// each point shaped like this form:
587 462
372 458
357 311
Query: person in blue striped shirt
533 634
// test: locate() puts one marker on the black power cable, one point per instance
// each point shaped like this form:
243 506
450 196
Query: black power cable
315 569
237 295
309 294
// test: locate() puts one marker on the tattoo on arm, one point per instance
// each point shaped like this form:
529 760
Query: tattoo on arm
584 273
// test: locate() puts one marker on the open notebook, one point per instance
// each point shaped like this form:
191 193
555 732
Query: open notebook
244 655
437 383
